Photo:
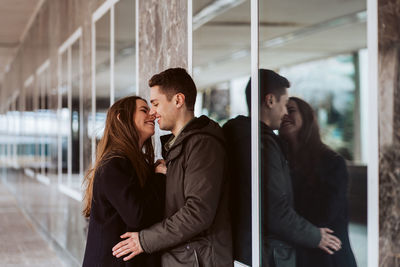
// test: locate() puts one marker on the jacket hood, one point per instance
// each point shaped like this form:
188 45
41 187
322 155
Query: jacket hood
202 125
240 127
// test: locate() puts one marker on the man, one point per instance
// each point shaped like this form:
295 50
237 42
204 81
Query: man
282 227
196 229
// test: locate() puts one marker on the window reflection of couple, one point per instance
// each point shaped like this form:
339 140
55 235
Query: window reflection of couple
303 183
130 225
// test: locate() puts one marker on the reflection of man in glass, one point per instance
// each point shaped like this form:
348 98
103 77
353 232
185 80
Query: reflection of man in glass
282 227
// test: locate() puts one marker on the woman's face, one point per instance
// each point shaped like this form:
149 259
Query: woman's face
291 123
143 120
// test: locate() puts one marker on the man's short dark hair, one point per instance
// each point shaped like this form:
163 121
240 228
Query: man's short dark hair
173 81
270 83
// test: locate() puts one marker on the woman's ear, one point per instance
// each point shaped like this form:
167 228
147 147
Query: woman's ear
118 117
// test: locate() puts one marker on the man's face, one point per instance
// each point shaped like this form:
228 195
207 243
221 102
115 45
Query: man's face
278 110
165 111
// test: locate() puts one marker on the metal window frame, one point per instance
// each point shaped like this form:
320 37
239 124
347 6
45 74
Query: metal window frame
43 89
66 48
373 143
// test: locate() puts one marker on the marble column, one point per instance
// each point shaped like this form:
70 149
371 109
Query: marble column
389 132
163 38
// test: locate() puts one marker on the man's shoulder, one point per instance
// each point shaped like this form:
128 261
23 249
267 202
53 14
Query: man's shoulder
203 138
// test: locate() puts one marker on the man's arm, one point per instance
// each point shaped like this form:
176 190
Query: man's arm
203 179
282 220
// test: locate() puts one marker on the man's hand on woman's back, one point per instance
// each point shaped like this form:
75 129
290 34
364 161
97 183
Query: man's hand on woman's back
329 243
160 166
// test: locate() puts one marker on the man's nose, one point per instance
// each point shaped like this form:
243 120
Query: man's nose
152 112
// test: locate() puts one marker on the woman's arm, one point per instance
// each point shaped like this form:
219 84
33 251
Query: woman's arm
333 189
123 191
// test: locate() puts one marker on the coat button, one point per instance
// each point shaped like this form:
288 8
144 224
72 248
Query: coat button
188 247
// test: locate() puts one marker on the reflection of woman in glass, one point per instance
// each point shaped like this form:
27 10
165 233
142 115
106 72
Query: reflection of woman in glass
122 192
320 184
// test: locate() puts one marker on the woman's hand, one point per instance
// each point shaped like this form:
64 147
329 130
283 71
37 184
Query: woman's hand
130 245
160 166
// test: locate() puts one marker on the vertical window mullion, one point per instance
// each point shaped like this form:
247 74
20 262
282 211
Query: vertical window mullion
93 137
137 45
69 99
373 145
112 53
190 36
59 152
81 125
255 181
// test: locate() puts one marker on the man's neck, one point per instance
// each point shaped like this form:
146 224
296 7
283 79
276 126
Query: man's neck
265 119
181 122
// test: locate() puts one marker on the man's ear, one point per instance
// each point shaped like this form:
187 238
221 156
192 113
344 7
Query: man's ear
179 100
269 100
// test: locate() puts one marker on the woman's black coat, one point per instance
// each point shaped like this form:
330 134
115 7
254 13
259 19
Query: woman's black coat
121 205
324 203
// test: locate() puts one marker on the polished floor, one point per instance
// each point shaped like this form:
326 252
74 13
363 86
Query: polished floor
20 243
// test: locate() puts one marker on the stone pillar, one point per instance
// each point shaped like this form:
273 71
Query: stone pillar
163 38
389 132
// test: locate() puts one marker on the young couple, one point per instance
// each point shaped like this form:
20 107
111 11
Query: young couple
309 218
130 225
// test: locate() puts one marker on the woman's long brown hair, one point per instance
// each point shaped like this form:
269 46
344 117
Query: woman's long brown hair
311 147
120 139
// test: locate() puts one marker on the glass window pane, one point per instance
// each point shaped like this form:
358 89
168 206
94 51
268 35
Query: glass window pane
310 144
102 73
29 127
125 51
64 119
75 127
51 120
221 70
41 115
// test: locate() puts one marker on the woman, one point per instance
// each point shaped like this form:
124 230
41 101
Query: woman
320 184
122 192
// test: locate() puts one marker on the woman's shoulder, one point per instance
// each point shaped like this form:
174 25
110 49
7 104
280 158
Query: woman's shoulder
332 164
114 164
330 157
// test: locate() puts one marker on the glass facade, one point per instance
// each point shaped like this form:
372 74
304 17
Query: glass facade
52 124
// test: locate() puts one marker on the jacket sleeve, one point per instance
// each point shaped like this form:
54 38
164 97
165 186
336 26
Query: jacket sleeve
282 220
333 193
125 194
204 176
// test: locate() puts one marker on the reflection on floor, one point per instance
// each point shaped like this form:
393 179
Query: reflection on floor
358 240
55 215
20 244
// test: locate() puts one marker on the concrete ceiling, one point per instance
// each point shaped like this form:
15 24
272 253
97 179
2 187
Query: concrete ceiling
16 17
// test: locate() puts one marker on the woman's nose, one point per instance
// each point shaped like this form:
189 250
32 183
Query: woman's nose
152 112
